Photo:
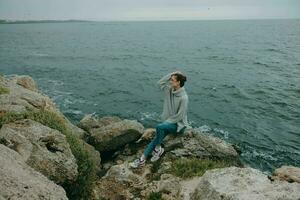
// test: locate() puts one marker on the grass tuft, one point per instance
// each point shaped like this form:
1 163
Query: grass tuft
190 167
155 196
3 90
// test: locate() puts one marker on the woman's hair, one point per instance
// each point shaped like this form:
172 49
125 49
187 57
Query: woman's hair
181 78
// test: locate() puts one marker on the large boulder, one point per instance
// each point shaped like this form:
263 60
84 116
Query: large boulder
23 98
243 184
120 182
19 181
115 135
26 82
43 148
193 143
23 95
89 122
287 173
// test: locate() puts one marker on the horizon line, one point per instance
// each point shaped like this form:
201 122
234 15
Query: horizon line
144 20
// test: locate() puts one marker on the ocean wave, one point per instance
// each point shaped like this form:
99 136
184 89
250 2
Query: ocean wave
214 131
40 54
295 90
274 50
76 112
50 82
67 102
256 91
149 116
116 91
261 64
226 59
9 76
101 57
257 154
204 128
280 103
239 93
224 133
228 86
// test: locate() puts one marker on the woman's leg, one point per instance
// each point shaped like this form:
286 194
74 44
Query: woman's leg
162 130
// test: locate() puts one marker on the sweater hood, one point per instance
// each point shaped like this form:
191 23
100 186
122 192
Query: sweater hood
179 92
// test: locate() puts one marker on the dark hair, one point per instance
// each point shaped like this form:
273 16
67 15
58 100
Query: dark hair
181 78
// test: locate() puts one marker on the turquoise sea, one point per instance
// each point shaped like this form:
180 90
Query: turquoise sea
243 76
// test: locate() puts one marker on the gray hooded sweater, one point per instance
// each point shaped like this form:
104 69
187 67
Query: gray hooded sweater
175 103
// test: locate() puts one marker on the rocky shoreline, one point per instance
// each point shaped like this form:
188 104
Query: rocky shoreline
45 156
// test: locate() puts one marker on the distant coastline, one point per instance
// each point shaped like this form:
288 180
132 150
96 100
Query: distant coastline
39 21
3 21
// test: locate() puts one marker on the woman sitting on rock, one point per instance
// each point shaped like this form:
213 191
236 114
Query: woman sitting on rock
174 115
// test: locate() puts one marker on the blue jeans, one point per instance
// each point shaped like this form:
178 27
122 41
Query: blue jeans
162 130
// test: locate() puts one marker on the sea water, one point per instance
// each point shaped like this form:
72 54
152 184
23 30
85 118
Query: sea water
243 76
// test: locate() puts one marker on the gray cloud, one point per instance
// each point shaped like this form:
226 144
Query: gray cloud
148 9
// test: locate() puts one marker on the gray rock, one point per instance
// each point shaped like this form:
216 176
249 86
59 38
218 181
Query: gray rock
89 122
170 186
198 144
120 182
19 181
109 188
20 98
25 81
188 187
80 133
95 155
122 173
43 148
115 135
287 173
243 184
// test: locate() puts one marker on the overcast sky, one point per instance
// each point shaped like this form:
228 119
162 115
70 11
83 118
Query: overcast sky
148 9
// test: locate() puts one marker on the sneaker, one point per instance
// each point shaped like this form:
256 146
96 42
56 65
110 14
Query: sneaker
137 163
155 152
157 155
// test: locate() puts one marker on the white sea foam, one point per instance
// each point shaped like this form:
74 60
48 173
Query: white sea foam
256 154
40 54
223 132
149 116
76 112
204 128
52 82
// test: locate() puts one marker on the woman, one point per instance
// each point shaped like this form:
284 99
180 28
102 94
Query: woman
174 115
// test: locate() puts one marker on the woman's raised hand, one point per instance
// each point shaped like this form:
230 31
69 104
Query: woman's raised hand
177 72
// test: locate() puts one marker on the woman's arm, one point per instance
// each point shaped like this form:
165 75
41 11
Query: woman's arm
163 83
